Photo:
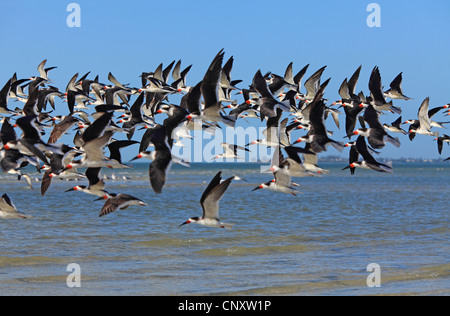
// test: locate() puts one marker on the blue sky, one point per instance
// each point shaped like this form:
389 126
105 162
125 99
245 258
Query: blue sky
126 38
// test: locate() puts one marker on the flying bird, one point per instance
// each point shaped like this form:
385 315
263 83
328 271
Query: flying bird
210 203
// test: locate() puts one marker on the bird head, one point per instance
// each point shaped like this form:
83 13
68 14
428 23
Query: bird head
75 188
261 186
190 220
137 157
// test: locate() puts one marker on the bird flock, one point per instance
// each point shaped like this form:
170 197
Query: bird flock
104 115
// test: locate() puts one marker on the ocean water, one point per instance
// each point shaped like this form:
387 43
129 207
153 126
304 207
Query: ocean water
319 242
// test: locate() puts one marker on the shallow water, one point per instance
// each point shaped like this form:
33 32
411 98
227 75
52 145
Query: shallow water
319 242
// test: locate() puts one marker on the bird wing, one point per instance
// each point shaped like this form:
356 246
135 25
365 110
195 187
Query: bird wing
210 200
97 127
28 125
94 148
343 90
210 82
7 132
282 177
111 205
362 149
288 74
353 81
159 168
375 86
6 205
193 99
299 76
371 117
93 175
60 128
424 119
41 70
396 84
115 146
312 83
46 181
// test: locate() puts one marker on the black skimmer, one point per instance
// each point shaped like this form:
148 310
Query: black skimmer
56 169
376 133
368 162
395 92
312 85
191 101
115 146
424 126
12 161
294 82
244 110
230 151
8 209
96 185
431 114
377 99
61 128
269 105
210 203
176 115
31 142
297 80
212 111
157 86
351 114
16 90
395 126
112 95
271 133
147 136
440 142
118 201
226 84
93 155
282 181
317 136
136 118
353 156
34 85
162 161
43 72
4 97
179 77
48 95
116 82
94 139
311 161
30 107
151 155
347 91
296 165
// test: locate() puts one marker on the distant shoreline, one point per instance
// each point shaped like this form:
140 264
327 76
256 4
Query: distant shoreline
324 160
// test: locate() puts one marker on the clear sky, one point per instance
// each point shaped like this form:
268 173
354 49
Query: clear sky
128 37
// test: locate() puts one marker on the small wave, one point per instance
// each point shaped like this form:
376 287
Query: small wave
244 251
28 261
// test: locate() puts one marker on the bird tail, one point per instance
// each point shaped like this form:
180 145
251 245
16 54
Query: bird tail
393 140
435 134
338 145
285 106
229 120
226 225
395 109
